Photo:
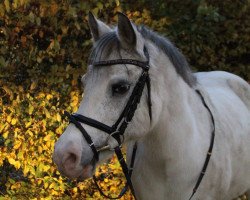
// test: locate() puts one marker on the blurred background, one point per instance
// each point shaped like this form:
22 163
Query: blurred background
44 49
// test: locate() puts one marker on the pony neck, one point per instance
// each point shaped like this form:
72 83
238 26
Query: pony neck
180 118
175 147
179 126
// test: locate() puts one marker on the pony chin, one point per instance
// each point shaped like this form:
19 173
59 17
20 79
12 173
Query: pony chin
87 172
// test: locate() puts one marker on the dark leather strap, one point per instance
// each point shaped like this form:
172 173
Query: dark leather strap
143 65
134 99
149 97
127 114
84 133
130 171
125 169
118 129
209 153
132 162
124 190
93 123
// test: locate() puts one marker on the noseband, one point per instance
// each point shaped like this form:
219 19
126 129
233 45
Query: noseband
117 130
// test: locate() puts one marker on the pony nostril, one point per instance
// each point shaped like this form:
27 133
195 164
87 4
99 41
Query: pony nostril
72 158
70 161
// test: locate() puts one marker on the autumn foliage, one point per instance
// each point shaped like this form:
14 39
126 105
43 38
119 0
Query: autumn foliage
44 46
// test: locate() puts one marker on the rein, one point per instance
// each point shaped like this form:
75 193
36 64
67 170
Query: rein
117 130
210 149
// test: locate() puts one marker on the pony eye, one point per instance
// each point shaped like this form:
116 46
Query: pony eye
120 88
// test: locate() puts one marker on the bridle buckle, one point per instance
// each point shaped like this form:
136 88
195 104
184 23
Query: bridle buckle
125 120
112 135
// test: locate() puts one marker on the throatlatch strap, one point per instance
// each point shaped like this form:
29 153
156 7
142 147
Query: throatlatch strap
210 149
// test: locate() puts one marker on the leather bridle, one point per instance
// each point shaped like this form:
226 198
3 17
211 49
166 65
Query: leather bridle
117 130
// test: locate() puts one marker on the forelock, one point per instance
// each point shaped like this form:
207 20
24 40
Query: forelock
107 44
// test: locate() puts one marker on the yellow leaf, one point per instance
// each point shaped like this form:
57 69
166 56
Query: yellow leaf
20 155
25 170
55 192
33 85
15 4
40 166
106 180
75 189
40 149
81 186
17 145
52 185
32 170
41 95
59 130
22 2
17 164
13 121
45 147
30 133
7 5
2 126
39 181
15 186
47 113
11 161
5 134
58 117
31 142
47 137
117 3
46 168
48 144
20 88
46 185
49 96
31 109
9 118
27 124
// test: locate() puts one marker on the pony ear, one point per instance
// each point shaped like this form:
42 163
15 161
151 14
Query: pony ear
126 32
97 27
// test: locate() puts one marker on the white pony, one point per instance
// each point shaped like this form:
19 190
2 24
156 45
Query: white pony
173 146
